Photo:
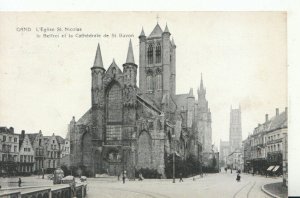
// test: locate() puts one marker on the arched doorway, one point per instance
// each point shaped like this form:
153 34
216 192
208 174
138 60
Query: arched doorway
87 150
144 151
97 162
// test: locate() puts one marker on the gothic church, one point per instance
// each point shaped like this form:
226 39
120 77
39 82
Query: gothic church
132 127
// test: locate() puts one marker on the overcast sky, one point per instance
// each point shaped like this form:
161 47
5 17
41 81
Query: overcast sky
45 81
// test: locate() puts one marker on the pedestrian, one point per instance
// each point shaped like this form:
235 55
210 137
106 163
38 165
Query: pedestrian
123 178
19 182
231 170
266 173
119 177
238 177
180 176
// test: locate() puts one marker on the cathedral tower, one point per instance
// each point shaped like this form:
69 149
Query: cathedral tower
235 131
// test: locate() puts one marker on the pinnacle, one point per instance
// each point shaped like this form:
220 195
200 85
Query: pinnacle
142 33
167 29
98 58
201 84
191 92
130 57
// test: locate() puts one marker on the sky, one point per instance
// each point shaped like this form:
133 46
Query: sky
45 81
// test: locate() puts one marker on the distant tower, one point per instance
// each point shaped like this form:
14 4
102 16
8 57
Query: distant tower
204 116
235 131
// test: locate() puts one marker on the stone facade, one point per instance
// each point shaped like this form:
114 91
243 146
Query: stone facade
224 152
130 127
9 151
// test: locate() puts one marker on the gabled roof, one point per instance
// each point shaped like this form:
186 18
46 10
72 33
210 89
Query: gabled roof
156 32
60 140
32 137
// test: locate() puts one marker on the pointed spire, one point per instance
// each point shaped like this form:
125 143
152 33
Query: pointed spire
201 84
98 58
191 94
130 57
166 29
142 32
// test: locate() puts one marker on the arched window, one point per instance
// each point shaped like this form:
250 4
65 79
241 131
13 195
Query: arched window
114 113
149 82
144 150
150 54
158 53
158 81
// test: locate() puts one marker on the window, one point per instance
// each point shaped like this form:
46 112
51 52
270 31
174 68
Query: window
149 83
53 163
158 53
40 142
28 149
15 139
150 54
158 82
15 148
4 138
53 141
49 164
10 139
114 104
25 149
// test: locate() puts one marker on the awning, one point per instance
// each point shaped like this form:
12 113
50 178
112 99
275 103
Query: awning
275 169
270 168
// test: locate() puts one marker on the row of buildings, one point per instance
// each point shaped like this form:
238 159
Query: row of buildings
262 152
265 150
23 154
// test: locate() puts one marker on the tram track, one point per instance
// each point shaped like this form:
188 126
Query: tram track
148 194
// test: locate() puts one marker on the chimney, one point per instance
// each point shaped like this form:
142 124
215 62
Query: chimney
11 129
267 117
22 134
277 111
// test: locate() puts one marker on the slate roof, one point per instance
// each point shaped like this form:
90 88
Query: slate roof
85 118
156 32
32 137
181 100
278 122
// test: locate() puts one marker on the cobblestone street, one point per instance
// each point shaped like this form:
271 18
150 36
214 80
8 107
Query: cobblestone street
212 185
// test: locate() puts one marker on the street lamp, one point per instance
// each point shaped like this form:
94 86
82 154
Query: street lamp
173 137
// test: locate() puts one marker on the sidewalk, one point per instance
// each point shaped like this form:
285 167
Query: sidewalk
275 190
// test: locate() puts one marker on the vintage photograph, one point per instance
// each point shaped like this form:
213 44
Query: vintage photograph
143 104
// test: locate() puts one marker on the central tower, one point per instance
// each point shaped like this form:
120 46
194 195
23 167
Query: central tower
157 74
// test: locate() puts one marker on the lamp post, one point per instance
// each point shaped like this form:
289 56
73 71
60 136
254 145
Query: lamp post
173 137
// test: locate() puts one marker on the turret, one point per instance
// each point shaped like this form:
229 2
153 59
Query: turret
97 76
190 108
130 68
142 60
166 46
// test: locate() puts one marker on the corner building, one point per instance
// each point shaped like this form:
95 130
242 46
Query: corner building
132 127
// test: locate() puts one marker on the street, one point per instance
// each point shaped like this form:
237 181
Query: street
211 185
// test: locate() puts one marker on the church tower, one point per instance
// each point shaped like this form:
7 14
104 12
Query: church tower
157 71
98 72
204 119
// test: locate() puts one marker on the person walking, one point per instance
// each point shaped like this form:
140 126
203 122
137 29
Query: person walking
20 182
180 176
238 177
